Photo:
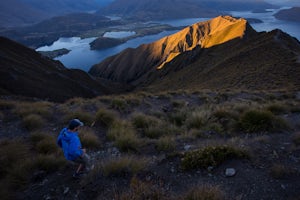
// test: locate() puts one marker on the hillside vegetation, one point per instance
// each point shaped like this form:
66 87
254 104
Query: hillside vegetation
172 145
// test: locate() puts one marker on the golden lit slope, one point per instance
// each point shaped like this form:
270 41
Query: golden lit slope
131 64
206 34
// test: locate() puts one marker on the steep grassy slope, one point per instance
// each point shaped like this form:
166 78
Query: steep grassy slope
25 72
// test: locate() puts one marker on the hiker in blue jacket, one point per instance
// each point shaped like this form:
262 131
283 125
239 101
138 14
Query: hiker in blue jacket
70 143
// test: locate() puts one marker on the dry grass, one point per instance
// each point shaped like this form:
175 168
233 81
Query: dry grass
89 139
41 108
280 171
106 117
49 163
123 165
143 190
204 192
166 143
86 117
33 122
124 136
210 156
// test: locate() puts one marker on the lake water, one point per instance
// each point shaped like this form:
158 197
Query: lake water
82 57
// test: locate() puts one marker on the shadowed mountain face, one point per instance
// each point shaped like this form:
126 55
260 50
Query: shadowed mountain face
202 55
170 9
292 14
25 72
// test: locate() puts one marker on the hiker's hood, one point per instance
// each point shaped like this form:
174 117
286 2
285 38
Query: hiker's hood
66 135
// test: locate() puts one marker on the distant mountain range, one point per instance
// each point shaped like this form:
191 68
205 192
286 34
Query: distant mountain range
170 9
24 12
220 53
292 14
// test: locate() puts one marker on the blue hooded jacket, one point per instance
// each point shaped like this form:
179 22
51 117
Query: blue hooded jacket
70 143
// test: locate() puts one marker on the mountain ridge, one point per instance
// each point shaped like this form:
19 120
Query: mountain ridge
139 66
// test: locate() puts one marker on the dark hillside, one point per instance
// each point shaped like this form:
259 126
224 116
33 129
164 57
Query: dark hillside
27 73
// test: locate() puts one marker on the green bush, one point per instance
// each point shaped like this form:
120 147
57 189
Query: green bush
205 192
32 122
261 121
210 156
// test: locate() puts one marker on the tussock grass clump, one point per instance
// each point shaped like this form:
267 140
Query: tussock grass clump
33 122
197 119
119 104
124 136
279 171
89 139
42 108
123 165
49 163
166 143
205 192
86 117
143 190
47 146
12 154
142 121
44 143
5 104
178 118
210 156
277 108
261 121
106 117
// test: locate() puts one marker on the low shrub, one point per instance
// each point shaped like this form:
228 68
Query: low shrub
42 108
279 171
123 165
12 154
178 118
124 136
5 104
166 144
142 121
33 121
197 119
119 104
143 190
89 139
47 146
49 163
106 117
205 192
261 121
277 108
84 116
210 156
